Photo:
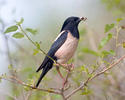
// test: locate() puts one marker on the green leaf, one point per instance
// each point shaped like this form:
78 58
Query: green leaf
11 29
37 45
105 53
94 67
30 82
35 51
119 19
89 51
10 67
18 35
112 52
26 88
32 31
20 22
123 44
105 41
86 91
83 68
90 75
108 27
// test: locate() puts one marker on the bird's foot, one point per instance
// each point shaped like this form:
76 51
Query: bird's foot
64 81
67 66
57 68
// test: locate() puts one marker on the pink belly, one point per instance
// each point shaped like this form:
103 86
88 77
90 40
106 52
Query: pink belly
67 50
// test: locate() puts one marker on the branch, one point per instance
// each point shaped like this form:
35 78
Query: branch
15 80
96 75
39 48
34 42
66 80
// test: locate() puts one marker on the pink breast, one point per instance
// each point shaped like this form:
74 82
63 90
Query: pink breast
67 50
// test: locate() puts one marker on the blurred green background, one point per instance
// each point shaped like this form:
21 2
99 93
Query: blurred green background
47 16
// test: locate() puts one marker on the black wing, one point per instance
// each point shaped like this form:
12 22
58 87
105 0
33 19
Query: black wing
55 46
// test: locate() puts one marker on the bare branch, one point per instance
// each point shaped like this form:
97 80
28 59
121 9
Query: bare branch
15 80
39 48
96 75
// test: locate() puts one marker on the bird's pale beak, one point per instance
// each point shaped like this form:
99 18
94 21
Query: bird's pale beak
83 18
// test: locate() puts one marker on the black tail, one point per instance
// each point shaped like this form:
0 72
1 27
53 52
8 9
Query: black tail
46 68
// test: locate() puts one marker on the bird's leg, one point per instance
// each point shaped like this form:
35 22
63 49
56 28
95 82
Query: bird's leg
67 76
64 80
57 68
68 66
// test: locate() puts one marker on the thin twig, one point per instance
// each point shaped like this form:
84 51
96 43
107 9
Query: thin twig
39 48
67 76
33 42
15 80
96 75
62 94
66 79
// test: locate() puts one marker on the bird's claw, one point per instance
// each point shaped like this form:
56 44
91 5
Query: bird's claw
67 66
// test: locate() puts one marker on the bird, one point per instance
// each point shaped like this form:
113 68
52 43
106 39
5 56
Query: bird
63 47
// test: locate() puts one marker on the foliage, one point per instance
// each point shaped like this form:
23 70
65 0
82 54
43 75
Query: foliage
105 40
20 22
108 27
86 91
83 73
11 29
89 51
32 31
117 6
18 35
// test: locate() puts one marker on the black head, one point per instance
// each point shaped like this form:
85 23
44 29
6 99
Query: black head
71 23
